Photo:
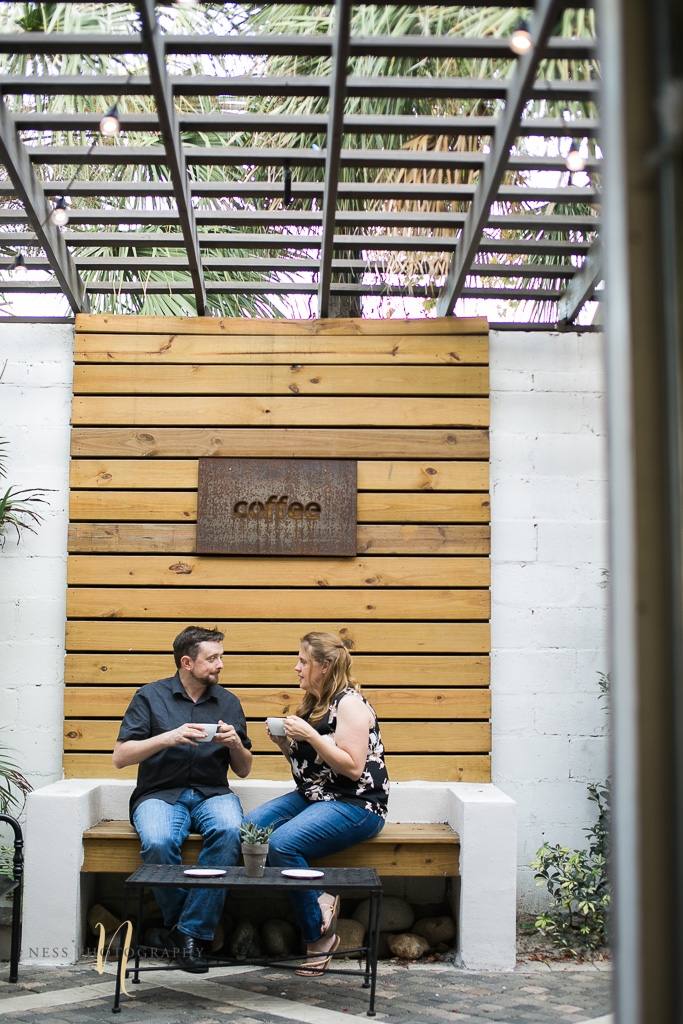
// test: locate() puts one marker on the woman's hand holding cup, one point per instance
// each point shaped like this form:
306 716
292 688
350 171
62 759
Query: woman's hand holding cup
298 728
275 727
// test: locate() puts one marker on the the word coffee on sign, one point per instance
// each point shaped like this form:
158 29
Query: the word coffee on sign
277 506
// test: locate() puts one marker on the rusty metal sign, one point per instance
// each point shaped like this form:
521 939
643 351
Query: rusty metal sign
276 507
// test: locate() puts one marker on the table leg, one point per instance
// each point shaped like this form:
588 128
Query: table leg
116 1008
373 940
138 928
369 941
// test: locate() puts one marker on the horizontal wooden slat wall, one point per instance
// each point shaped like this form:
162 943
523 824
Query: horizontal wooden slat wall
408 400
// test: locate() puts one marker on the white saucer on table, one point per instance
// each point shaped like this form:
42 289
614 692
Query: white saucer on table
302 873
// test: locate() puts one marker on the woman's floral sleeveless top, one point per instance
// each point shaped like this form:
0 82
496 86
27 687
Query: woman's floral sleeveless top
317 781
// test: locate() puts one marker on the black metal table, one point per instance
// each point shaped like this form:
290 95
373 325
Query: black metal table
339 881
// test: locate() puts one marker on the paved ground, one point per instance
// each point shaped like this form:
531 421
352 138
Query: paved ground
535 993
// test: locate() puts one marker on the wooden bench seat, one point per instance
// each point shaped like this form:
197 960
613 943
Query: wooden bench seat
412 849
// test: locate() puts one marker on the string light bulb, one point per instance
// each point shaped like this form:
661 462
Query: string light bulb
60 214
19 269
520 40
575 161
110 124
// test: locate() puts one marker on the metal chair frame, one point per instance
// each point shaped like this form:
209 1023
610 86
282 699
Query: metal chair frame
13 884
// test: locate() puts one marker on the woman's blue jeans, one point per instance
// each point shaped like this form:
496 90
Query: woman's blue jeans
305 830
163 828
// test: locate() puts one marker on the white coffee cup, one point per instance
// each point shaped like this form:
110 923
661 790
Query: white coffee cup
276 726
210 730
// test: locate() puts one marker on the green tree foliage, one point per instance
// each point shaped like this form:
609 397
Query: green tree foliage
103 18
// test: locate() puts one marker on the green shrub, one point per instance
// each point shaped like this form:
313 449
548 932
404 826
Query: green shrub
578 883
578 880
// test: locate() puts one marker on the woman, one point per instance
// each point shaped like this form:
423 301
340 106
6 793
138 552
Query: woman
334 747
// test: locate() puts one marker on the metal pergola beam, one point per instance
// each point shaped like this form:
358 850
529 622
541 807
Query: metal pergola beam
582 287
242 225
225 156
15 158
212 264
544 17
547 247
349 219
175 157
238 287
270 265
335 132
299 85
393 47
360 124
271 240
347 191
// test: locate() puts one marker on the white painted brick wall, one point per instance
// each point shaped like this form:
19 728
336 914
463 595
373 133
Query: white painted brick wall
36 372
549 550
548 470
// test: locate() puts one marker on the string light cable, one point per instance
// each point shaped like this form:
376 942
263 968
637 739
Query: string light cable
109 126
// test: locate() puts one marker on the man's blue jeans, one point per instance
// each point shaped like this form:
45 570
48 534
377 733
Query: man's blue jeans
305 830
164 827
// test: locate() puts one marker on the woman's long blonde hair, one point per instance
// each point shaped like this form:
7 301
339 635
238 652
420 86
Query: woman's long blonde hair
327 647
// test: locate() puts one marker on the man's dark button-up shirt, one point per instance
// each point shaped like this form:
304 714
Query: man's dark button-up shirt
164 705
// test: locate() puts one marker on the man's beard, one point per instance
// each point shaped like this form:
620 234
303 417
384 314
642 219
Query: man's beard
209 681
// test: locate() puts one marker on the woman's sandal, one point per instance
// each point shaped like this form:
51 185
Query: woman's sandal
330 913
316 968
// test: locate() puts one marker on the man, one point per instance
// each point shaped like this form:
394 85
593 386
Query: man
182 782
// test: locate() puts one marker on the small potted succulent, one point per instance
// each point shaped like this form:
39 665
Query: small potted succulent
255 842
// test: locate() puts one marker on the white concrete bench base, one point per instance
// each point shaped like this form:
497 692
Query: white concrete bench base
57 893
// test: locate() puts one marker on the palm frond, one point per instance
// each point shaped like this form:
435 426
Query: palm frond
14 787
17 511
3 457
